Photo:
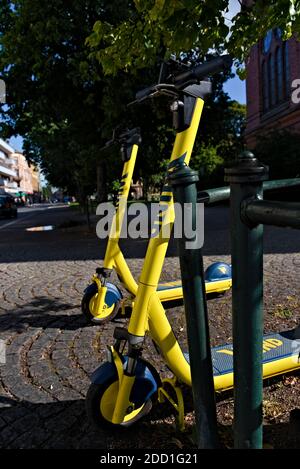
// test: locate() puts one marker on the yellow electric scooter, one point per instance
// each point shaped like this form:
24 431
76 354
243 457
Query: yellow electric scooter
102 300
124 387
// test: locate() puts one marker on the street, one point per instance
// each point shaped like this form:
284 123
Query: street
51 351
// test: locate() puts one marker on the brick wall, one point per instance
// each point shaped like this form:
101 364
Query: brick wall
285 115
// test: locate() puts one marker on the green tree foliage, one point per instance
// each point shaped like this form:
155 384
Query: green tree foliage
207 160
155 28
220 139
64 106
54 97
47 192
58 98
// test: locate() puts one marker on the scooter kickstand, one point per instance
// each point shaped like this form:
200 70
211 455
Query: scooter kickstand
125 307
179 405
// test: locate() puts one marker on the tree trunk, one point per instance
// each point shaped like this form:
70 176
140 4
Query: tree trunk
87 212
101 182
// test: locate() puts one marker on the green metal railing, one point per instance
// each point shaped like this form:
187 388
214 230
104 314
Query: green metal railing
271 213
248 212
184 187
210 196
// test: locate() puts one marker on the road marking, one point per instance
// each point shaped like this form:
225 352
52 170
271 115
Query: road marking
16 221
28 215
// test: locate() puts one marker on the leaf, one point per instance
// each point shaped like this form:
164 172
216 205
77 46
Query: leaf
156 11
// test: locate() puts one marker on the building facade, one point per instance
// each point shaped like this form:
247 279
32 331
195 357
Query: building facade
273 66
17 177
35 183
25 173
9 176
35 178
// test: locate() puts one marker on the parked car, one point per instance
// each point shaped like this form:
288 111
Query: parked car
8 207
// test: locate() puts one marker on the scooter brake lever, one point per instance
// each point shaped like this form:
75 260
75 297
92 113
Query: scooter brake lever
141 100
103 272
158 90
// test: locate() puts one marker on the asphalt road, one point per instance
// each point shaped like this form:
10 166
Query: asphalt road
69 242
28 214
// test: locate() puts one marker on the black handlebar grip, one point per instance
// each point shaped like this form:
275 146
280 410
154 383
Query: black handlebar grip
219 64
211 67
142 94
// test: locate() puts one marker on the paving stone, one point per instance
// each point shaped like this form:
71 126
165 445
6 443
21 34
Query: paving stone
51 351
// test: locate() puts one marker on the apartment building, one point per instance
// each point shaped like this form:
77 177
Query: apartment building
35 179
9 176
16 176
24 172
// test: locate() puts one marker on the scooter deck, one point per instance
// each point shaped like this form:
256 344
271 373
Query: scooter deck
173 290
281 354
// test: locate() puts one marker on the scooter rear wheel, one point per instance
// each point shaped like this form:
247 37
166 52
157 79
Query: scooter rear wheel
88 307
100 404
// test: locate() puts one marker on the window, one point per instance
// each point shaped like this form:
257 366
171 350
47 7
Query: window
272 88
286 63
275 73
279 76
265 87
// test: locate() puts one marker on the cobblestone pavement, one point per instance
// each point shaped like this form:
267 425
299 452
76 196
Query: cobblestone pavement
51 351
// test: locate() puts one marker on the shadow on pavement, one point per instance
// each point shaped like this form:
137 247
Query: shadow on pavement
43 312
64 425
80 244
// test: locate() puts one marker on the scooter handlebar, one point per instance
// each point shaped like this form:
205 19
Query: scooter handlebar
211 67
194 75
129 136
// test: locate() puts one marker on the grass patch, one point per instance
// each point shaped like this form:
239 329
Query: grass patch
74 205
283 313
271 409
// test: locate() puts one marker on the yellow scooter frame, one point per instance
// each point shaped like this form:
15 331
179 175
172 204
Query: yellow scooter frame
94 304
148 316
148 313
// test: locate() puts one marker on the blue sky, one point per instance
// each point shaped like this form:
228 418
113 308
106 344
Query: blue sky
16 143
235 87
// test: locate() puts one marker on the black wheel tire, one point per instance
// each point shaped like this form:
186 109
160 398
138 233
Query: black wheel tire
85 307
95 416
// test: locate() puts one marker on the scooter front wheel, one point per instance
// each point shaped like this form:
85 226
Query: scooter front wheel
100 404
110 307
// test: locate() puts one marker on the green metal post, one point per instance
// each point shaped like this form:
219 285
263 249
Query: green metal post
184 181
246 178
